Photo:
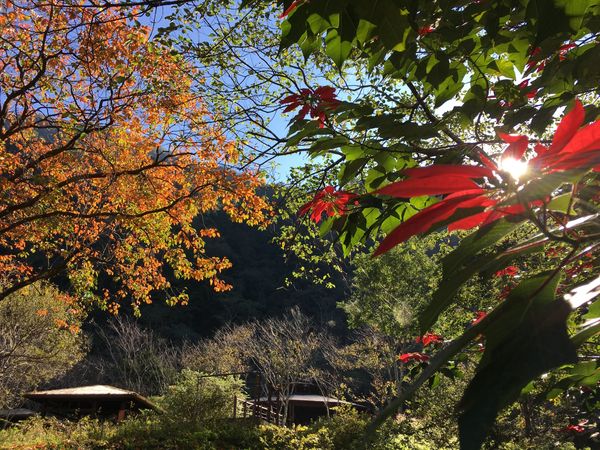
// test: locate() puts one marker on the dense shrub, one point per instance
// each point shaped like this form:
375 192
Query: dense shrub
201 400
51 433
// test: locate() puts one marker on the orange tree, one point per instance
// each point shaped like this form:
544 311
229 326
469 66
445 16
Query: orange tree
107 157
456 129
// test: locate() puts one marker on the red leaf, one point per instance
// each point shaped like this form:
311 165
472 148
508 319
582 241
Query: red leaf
575 428
293 98
469 193
500 212
430 338
449 169
427 186
479 316
423 31
291 107
509 271
568 127
491 165
303 112
325 92
532 94
425 219
470 222
588 138
518 145
540 149
289 9
328 201
576 161
408 357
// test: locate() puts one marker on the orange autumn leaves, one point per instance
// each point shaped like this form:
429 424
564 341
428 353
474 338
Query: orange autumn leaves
107 157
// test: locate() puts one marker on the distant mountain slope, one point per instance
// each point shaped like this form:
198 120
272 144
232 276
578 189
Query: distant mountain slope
257 276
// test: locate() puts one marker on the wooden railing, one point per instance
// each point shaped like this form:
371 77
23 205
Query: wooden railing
245 408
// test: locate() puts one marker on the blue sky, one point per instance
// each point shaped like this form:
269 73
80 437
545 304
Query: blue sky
279 168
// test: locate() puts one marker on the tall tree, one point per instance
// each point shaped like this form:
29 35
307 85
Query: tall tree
108 155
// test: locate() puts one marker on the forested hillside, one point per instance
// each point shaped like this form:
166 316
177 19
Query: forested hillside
259 290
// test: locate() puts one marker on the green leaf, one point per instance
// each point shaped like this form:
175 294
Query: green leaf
535 291
462 263
325 227
365 30
327 143
529 347
337 49
591 329
593 311
475 242
350 169
392 24
549 18
305 129
543 187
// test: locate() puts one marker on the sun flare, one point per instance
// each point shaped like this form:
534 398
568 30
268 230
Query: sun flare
515 167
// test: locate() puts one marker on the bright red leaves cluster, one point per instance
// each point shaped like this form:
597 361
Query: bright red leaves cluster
469 202
527 91
408 357
328 201
429 339
509 271
575 428
316 102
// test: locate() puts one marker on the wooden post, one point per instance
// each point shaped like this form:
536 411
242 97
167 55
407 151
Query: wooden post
269 404
257 397
121 414
279 421
234 406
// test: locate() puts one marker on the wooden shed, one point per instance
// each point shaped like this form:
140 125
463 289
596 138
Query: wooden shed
303 408
97 400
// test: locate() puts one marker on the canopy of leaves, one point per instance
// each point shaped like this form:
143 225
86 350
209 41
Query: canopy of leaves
109 155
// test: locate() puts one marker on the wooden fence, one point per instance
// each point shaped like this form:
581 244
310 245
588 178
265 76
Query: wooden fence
268 413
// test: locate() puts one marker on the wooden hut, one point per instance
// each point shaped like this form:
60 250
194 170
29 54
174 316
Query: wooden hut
98 401
304 408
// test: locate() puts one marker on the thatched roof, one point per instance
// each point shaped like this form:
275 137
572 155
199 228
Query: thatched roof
97 392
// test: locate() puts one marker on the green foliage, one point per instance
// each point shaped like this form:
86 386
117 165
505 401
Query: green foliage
196 399
40 339
465 50
312 249
425 427
52 433
387 298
